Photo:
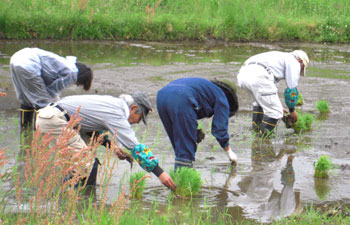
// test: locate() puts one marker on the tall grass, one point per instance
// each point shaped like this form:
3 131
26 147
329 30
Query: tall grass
137 184
235 20
46 189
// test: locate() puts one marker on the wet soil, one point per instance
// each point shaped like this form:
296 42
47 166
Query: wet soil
272 179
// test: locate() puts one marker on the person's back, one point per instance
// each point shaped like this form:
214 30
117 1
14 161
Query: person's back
102 113
39 76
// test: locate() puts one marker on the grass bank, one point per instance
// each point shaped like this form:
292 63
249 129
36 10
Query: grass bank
164 20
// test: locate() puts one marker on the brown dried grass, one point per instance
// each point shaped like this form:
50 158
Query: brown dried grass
44 187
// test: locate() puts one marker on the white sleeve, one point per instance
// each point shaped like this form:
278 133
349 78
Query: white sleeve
292 74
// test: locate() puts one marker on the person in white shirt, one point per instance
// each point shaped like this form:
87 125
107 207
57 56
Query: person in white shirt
39 76
258 76
105 113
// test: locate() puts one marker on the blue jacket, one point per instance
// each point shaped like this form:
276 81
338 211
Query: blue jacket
184 101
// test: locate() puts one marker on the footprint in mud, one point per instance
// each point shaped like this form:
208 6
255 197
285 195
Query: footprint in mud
211 158
345 167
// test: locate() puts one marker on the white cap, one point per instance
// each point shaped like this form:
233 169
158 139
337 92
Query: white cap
300 54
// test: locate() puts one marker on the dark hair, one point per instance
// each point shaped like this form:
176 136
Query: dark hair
230 95
85 76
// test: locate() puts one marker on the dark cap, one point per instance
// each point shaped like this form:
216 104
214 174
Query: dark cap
229 90
143 102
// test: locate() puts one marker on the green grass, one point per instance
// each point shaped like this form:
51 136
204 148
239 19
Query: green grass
304 122
159 20
328 73
188 182
322 106
322 166
137 184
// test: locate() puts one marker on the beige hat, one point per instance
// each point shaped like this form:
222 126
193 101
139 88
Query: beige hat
300 54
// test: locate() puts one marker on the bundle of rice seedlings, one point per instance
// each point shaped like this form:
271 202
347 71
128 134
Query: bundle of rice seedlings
322 106
188 181
137 184
304 122
300 100
322 166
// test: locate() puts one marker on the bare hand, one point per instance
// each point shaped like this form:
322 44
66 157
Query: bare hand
124 156
167 181
294 116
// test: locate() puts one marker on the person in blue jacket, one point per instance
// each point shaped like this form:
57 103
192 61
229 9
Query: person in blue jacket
184 101
39 76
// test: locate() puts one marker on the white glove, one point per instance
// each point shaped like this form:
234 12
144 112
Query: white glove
232 156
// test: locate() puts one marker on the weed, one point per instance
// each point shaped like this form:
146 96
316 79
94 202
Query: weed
322 166
137 184
322 106
188 181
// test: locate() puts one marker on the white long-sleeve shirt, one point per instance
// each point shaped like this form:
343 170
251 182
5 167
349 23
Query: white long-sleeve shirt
102 113
283 65
39 76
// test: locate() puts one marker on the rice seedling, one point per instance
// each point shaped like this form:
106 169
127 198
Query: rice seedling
322 106
188 182
137 184
304 122
322 166
300 100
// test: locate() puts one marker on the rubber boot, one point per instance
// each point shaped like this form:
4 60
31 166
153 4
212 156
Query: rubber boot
267 127
91 180
26 117
181 162
258 114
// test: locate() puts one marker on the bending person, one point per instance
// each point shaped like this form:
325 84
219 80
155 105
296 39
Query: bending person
39 77
258 76
184 101
105 113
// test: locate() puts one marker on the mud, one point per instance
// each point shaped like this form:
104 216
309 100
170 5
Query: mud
272 180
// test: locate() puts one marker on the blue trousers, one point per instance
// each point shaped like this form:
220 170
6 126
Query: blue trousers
179 119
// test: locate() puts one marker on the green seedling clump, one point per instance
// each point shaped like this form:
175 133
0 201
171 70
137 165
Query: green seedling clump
322 166
322 106
304 122
188 181
300 100
137 184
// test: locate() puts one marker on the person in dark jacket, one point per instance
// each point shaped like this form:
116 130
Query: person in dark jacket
39 76
184 101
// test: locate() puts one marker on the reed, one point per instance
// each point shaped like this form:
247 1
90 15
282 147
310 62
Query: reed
49 185
137 184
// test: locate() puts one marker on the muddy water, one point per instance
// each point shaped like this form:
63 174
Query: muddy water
272 180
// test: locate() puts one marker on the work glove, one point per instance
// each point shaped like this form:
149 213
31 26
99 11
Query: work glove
200 135
232 156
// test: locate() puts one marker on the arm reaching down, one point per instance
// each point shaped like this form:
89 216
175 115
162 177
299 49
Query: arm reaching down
145 158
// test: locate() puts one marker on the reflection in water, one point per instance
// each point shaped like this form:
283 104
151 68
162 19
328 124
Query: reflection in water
263 199
321 188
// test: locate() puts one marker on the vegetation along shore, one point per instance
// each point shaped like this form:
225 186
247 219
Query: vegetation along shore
168 20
